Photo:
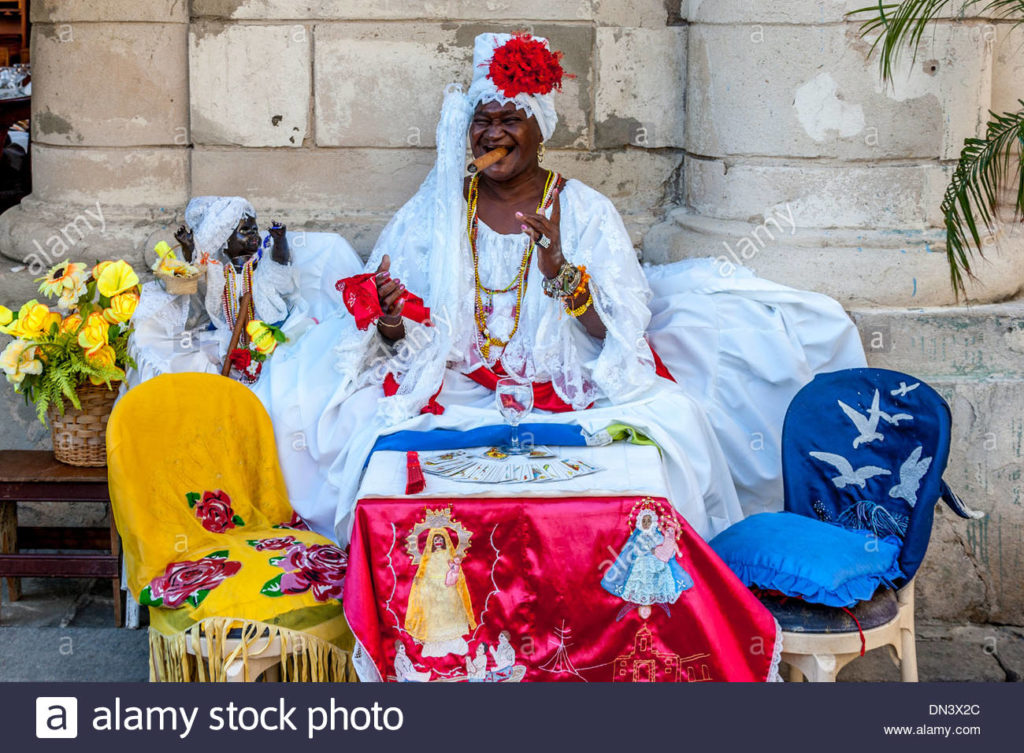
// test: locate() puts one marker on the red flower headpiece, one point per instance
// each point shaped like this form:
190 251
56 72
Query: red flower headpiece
523 65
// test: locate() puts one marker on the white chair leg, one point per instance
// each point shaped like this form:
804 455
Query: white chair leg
908 665
816 668
235 672
131 616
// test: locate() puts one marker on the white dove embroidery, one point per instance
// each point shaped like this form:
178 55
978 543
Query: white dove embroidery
866 425
846 473
911 473
904 389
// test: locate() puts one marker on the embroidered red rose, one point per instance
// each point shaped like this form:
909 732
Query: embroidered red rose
295 523
320 567
183 581
214 511
264 545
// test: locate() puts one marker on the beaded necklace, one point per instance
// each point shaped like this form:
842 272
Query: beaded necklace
481 310
231 294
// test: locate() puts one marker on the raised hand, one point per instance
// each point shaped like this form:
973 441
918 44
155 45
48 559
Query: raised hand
389 293
537 226
184 236
281 252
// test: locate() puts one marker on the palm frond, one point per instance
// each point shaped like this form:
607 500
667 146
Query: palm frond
901 26
971 196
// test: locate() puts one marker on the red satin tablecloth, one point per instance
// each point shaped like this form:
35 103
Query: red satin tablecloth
560 589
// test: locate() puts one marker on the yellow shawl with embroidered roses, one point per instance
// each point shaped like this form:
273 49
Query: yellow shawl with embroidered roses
210 542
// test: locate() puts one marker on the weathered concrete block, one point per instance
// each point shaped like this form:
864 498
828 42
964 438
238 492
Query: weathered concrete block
980 342
819 196
109 84
630 105
382 84
1008 67
154 177
250 84
636 180
811 12
59 11
338 180
765 91
502 15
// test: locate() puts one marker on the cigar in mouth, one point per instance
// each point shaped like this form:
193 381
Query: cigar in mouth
486 160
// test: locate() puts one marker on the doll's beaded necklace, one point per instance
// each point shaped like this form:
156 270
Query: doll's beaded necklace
485 339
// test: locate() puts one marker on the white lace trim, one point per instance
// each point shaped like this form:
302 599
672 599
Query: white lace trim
773 670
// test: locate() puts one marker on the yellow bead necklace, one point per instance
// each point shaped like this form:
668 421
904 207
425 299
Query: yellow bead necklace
485 339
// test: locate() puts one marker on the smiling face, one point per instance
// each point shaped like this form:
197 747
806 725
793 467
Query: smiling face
437 543
245 240
495 125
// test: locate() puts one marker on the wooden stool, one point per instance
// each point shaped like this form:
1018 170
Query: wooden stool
35 476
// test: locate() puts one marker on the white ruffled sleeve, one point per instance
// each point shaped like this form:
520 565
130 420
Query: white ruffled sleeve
274 284
581 367
213 293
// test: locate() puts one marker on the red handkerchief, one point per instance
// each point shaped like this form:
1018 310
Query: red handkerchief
360 295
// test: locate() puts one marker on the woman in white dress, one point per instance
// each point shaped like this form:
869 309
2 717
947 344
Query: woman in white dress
532 276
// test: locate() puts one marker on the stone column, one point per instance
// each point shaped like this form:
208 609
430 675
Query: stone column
109 129
801 164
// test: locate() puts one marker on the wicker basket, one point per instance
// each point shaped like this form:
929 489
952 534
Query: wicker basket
80 436
180 285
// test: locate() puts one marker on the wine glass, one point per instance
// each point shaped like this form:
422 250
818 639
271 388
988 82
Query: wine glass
515 401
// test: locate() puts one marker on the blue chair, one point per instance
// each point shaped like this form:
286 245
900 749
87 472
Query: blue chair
862 450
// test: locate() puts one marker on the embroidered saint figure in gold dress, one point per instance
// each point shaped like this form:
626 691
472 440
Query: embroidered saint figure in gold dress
440 611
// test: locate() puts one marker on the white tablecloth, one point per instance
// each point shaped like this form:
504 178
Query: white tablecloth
627 469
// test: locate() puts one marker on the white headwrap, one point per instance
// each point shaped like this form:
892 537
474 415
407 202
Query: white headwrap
213 219
540 106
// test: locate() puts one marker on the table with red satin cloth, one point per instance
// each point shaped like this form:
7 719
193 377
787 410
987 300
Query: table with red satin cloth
547 589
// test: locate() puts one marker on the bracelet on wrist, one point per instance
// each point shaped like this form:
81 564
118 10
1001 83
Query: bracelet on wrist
579 311
562 285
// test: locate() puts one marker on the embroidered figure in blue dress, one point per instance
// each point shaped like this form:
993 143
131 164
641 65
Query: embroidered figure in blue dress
647 570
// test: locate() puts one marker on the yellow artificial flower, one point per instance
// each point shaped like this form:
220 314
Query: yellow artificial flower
121 308
18 360
164 251
105 358
69 297
6 316
61 277
98 269
71 324
93 334
33 321
261 337
116 278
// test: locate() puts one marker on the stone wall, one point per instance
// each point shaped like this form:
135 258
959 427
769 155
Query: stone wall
755 132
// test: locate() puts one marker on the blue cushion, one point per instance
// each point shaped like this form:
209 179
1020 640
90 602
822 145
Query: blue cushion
804 557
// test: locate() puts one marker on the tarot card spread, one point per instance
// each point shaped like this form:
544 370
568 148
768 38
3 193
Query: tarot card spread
492 466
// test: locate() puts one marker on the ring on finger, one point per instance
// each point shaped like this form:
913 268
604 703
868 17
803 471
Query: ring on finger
544 241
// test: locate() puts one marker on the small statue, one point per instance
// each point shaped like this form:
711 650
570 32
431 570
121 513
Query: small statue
178 333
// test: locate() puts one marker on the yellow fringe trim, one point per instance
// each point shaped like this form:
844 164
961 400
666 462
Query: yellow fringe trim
204 652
